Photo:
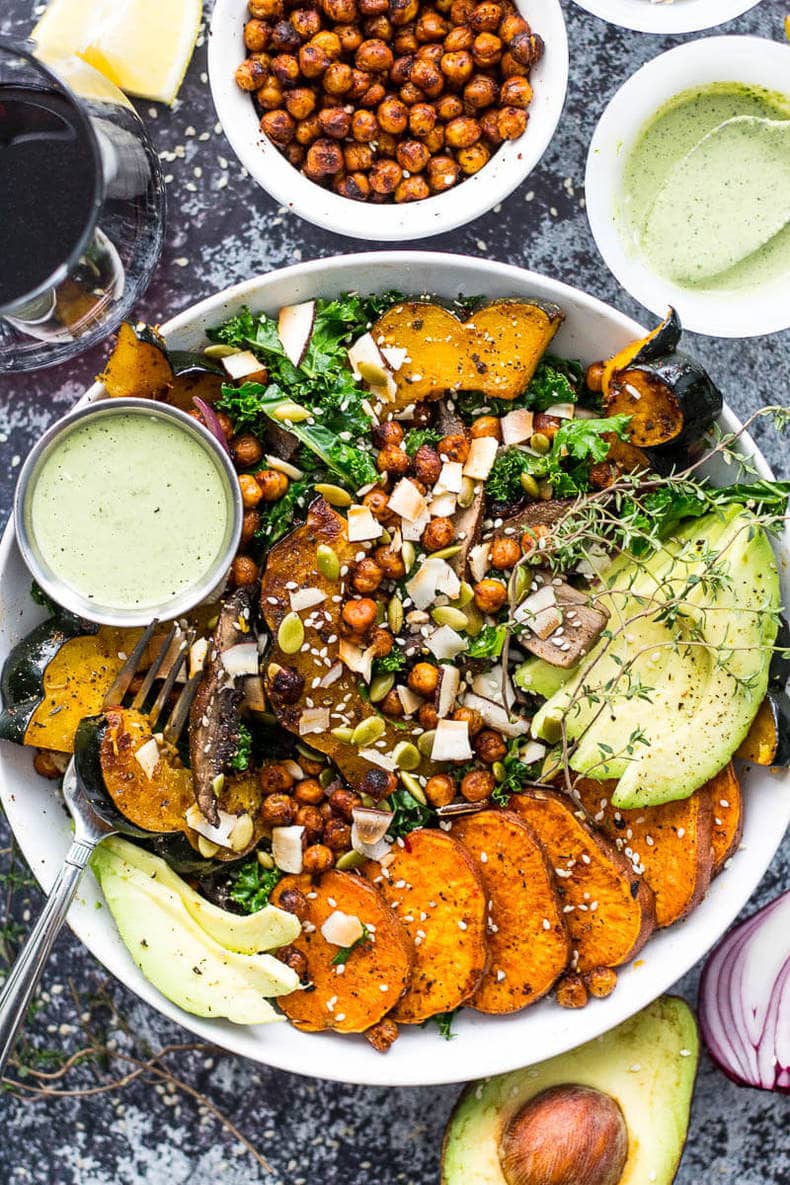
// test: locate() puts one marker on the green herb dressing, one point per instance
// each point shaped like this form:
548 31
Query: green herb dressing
681 248
129 510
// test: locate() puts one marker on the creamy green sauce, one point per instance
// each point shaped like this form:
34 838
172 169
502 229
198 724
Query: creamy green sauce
729 188
129 510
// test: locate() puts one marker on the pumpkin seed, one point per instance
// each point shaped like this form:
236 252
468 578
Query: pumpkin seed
325 777
425 742
327 562
467 494
381 612
311 754
521 582
369 801
406 755
447 553
474 620
546 490
348 861
335 495
540 442
408 554
466 594
499 771
395 614
529 485
380 686
290 412
552 728
242 832
414 787
265 859
446 615
220 350
206 847
218 784
385 538
342 734
290 635
368 731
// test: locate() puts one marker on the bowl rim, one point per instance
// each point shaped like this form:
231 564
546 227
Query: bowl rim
322 1055
655 16
509 166
725 58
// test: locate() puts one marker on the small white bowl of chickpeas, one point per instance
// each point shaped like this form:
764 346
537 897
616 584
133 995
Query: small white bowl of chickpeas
388 119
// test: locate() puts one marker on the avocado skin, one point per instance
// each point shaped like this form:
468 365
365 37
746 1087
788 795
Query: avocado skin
655 1099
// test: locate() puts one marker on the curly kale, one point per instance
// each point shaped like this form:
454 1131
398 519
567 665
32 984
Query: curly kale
252 884
417 437
556 380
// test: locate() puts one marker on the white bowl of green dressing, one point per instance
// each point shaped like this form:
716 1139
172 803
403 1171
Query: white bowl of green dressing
667 16
128 510
674 206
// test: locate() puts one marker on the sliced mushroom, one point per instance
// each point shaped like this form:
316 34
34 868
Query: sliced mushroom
582 625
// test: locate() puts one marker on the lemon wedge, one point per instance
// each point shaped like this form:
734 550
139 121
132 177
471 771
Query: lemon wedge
143 46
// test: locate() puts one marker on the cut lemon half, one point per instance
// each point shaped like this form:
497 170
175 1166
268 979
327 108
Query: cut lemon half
143 46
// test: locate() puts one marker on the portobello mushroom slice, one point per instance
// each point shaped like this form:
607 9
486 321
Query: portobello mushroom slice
215 715
580 625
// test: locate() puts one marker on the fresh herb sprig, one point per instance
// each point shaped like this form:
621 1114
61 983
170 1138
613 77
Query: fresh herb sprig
241 758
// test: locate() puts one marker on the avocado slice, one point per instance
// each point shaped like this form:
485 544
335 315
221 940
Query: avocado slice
647 1065
703 675
180 958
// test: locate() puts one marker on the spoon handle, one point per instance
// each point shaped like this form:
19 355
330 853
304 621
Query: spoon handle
24 975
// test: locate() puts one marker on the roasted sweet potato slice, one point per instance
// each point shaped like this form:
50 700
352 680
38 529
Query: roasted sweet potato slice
726 799
289 678
672 842
434 886
355 995
495 351
527 939
609 910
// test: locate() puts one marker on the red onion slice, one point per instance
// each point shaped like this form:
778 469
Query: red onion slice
211 421
744 1000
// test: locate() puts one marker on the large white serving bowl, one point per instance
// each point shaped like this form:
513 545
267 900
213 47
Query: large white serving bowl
680 16
484 1045
509 165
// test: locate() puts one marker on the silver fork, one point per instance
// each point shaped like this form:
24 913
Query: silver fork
94 819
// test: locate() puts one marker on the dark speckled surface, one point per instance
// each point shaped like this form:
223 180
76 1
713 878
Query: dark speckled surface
221 230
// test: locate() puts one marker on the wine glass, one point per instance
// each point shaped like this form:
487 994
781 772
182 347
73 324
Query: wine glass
81 206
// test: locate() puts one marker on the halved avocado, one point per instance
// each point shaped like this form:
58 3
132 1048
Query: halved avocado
645 1067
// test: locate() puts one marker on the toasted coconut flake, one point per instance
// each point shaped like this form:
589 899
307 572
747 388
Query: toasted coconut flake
394 356
306 598
313 720
482 453
239 366
371 824
479 560
373 851
451 741
451 478
495 716
284 467
382 760
242 659
532 751
254 697
197 656
342 929
562 411
294 327
517 426
219 835
362 525
287 848
332 675
407 501
414 531
539 612
445 643
409 699
358 661
443 504
448 690
147 757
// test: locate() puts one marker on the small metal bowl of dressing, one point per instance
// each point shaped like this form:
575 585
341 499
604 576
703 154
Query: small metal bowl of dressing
697 246
127 510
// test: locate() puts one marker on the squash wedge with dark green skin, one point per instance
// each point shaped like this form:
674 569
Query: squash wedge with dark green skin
142 366
22 679
662 340
768 739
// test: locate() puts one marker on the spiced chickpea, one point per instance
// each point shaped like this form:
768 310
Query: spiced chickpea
329 42
393 116
251 75
430 26
427 464
457 66
461 11
309 792
317 858
374 95
443 173
594 376
478 785
571 992
273 484
462 132
423 678
485 426
307 130
285 68
505 553
489 126
367 576
355 186
324 159
285 38
374 56
257 35
601 981
449 107
350 37
392 458
403 11
246 450
312 820
486 17
378 783
337 835
364 126
285 683
266 10
306 21
335 122
357 157
340 11
532 537
432 53
378 27
293 901
480 92
473 158
45 764
427 716
250 523
279 126
422 119
515 92
440 790
251 492
511 122
427 77
391 562
412 155
225 423
510 68
372 7
359 614
344 802
454 447
337 79
275 778
295 959
386 144
490 595
486 49
471 717
243 571
377 501
410 93
439 533
527 48
401 69
300 102
405 41
512 24
381 642
313 61
391 704
278 810
489 746
546 424
360 83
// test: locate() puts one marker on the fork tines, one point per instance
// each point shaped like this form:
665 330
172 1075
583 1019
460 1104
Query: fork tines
163 660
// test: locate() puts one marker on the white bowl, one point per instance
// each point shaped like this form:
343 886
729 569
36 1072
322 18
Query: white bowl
679 16
508 167
751 60
484 1045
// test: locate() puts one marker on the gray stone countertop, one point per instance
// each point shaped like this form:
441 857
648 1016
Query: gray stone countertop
152 1132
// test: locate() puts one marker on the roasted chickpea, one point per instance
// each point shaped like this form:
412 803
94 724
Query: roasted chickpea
442 173
337 79
404 41
359 614
344 802
457 66
411 94
427 464
251 492
266 10
251 75
512 24
249 525
337 835
225 423
285 37
378 783
489 746
246 450
440 790
354 186
307 130
273 484
300 102
313 61
243 571
357 157
350 37
427 716
335 122
295 959
393 116
532 537
310 792
367 576
360 84
485 426
391 704
401 69
480 91
454 447
317 858
594 376
427 77
511 122
391 562
286 683
295 153
462 132
571 992
412 155
527 48
306 21
278 810
505 553
329 42
430 26
257 35
374 95
515 92
601 981
392 458
461 11
471 717
381 641
388 432
510 68
403 11
438 534
285 68
486 49
340 10
478 785
312 820
449 107
45 764
372 7
364 126
423 678
275 778
546 425
490 595
324 159
294 901
431 53
377 502
378 27
489 126
473 158
422 119
374 56
486 17
279 126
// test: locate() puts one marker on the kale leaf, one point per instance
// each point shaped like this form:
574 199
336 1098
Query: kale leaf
488 643
241 758
556 380
394 661
252 884
277 518
417 437
408 814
